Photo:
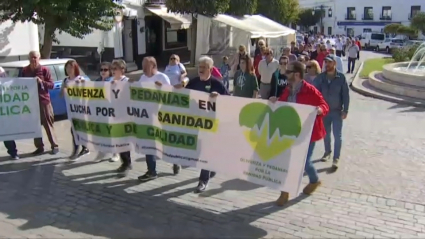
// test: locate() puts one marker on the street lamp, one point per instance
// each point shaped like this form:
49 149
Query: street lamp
330 12
119 14
313 12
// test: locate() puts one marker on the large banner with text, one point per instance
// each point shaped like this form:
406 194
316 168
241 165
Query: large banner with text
19 109
251 139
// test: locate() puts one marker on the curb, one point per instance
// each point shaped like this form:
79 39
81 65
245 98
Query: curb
378 96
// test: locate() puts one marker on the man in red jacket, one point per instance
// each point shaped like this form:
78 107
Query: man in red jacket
301 92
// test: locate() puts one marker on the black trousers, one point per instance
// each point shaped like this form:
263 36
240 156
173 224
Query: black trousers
125 158
351 64
338 53
75 143
11 147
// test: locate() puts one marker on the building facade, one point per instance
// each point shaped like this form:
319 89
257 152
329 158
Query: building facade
142 28
353 17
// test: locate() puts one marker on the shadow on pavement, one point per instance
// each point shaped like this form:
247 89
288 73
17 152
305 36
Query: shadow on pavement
43 195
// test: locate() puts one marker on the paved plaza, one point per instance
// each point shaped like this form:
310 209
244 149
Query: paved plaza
378 191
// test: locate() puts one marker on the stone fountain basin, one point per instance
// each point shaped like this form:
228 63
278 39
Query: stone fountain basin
402 77
380 82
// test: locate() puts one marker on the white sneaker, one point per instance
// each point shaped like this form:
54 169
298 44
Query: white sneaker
115 158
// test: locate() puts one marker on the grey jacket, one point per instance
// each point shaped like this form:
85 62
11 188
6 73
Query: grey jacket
335 92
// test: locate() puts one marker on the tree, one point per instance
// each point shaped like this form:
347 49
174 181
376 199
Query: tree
418 22
242 7
306 18
194 7
75 17
397 28
282 11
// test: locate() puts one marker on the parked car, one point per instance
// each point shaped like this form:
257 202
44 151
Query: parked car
389 44
371 39
57 69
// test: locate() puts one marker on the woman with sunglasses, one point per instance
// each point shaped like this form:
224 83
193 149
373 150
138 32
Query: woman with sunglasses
279 78
176 71
105 75
313 69
72 72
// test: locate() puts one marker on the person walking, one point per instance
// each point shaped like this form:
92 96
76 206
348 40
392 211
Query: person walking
175 71
205 82
339 63
151 74
45 83
245 82
313 70
301 92
279 78
9 145
266 69
72 72
352 51
334 88
106 76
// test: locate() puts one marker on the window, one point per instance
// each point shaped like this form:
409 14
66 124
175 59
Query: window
315 29
351 13
386 13
175 38
12 71
414 10
53 72
377 36
350 32
60 71
368 13
329 31
367 30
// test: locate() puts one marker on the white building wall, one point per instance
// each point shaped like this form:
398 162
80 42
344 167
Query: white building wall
400 11
17 40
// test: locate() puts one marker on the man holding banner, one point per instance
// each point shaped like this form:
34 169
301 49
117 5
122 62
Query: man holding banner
301 92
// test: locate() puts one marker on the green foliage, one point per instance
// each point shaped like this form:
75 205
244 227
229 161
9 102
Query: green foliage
204 7
75 17
282 11
397 28
418 21
405 53
306 18
242 7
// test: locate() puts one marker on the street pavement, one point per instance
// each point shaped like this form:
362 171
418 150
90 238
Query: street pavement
377 192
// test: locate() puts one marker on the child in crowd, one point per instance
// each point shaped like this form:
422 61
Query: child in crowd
225 71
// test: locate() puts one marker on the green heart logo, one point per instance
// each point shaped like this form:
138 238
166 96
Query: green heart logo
270 132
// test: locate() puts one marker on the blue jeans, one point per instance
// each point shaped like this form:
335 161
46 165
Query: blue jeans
333 122
205 175
151 164
309 168
226 82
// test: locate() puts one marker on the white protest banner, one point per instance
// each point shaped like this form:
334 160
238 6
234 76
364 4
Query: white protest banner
19 109
93 108
251 139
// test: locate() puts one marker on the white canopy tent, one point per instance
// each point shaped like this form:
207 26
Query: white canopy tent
222 34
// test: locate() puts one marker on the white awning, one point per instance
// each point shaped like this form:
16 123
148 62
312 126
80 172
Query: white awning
177 21
256 25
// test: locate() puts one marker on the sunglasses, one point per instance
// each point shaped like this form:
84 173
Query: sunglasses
284 63
104 69
308 67
172 58
267 53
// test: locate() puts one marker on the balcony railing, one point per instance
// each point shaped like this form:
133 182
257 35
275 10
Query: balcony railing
386 17
155 2
367 17
350 17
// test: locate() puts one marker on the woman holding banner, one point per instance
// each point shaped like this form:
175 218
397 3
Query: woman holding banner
205 82
106 75
72 71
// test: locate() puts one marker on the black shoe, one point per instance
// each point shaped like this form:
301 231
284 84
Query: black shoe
176 169
38 151
351 72
147 177
14 157
123 169
202 186
326 156
212 174
54 151
83 152
348 72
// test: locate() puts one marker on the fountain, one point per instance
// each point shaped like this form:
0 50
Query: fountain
405 79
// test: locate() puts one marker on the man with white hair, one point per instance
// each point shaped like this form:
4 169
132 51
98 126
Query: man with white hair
266 69
205 82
